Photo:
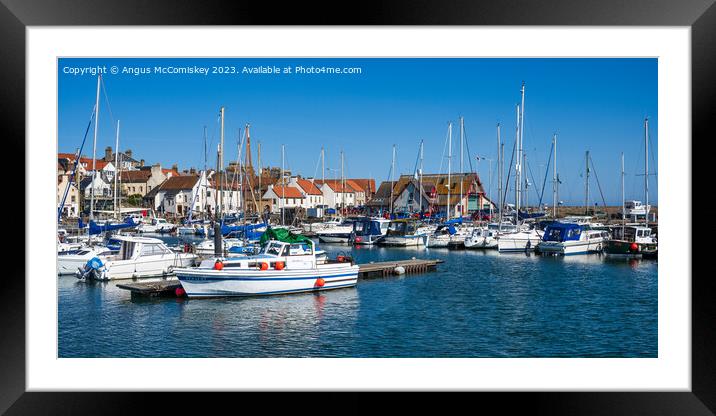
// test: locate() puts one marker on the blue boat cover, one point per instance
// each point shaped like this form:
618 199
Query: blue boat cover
561 231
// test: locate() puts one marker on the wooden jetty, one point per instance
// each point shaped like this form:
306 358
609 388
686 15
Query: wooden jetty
169 288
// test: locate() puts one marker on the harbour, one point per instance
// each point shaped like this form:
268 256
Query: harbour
240 255
477 304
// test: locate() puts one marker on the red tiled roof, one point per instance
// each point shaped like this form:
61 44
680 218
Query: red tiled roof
86 162
337 186
309 187
179 182
354 186
368 185
287 192
134 175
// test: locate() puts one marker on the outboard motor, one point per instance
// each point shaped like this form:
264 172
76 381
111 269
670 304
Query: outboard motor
92 269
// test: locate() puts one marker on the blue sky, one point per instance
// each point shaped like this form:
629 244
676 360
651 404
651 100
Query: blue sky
592 104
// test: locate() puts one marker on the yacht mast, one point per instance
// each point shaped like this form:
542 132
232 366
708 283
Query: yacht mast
392 181
221 166
447 203
554 177
522 133
94 149
462 129
420 191
258 154
343 187
283 188
117 209
646 171
206 203
499 172
623 203
586 185
518 160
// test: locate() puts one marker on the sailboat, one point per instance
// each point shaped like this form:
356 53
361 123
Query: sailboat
526 237
634 240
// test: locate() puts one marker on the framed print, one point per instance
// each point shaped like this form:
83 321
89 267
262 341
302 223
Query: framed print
215 178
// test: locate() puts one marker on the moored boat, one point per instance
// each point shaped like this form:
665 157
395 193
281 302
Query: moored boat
368 231
571 238
138 257
403 233
282 267
632 241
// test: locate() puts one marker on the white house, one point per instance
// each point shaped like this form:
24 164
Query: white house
313 197
336 195
284 197
100 183
71 206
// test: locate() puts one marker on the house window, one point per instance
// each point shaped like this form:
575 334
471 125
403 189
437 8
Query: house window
73 198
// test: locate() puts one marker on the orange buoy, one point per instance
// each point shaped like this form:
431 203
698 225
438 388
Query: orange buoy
320 282
218 265
264 266
341 259
634 247
279 265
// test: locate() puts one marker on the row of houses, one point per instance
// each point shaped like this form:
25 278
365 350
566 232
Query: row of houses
174 193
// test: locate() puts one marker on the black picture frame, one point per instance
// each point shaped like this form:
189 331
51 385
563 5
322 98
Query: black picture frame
16 15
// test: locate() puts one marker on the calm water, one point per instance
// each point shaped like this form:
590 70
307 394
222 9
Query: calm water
478 304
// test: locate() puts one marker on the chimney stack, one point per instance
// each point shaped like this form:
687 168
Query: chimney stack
141 163
128 152
108 154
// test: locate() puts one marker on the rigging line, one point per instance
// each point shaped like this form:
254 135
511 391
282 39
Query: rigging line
442 159
74 169
546 172
529 167
417 161
509 174
106 99
318 162
467 145
597 178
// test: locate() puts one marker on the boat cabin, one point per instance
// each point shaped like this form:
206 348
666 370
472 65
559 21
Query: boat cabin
370 226
135 247
402 228
633 233
561 231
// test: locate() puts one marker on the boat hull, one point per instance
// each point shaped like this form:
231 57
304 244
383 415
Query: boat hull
403 241
518 242
334 238
622 249
571 247
198 283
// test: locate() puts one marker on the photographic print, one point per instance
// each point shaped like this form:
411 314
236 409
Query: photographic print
357 207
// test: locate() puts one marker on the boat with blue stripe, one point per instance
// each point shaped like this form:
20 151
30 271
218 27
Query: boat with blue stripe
571 238
289 266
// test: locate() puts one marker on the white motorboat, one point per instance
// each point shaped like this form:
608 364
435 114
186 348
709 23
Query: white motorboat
337 234
482 237
571 238
404 233
369 231
206 247
520 241
440 238
158 225
138 257
322 226
279 269
69 261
